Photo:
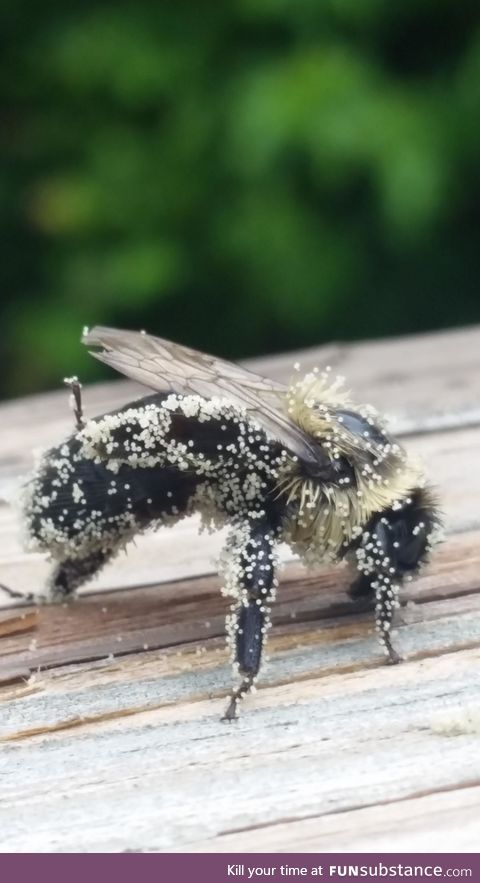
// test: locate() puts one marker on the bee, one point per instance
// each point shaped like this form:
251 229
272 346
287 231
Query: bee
301 465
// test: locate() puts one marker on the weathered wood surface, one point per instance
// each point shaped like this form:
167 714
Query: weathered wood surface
110 737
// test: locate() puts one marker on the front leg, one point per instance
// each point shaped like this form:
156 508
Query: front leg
249 569
379 577
392 547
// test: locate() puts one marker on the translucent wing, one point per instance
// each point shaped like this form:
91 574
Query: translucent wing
165 366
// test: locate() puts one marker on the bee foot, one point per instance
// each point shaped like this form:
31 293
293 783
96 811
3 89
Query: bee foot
393 658
28 597
231 711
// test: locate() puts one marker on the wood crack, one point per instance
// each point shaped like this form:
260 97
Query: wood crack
413 795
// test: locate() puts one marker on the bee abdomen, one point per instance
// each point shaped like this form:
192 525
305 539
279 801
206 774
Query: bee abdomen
74 505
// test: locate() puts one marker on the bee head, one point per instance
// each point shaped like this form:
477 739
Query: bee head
361 469
354 444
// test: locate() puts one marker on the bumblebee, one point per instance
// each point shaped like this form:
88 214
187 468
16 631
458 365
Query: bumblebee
301 465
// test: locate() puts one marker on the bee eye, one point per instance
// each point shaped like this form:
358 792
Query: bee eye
361 427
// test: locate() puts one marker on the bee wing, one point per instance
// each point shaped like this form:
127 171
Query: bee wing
165 366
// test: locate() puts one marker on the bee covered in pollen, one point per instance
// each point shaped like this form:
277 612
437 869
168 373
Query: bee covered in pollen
301 465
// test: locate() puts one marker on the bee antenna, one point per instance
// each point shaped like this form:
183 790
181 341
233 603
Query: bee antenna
75 386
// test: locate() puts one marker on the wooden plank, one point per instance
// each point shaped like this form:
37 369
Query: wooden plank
143 777
193 670
414 825
19 623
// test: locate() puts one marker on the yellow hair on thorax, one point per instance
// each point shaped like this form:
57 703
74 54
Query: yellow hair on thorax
328 515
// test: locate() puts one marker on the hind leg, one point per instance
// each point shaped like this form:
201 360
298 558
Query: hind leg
28 597
71 573
64 580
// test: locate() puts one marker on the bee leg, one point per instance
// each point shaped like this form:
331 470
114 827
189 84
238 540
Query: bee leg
401 539
361 588
386 601
75 386
71 573
237 695
379 576
250 627
391 548
253 565
28 597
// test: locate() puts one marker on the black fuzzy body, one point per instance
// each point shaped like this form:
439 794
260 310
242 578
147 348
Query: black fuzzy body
85 502
167 456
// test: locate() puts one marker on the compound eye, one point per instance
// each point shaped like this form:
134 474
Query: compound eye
360 426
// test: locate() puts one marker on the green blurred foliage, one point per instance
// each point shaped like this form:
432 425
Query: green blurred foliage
244 176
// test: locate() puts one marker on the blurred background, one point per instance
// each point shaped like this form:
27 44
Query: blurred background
245 176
